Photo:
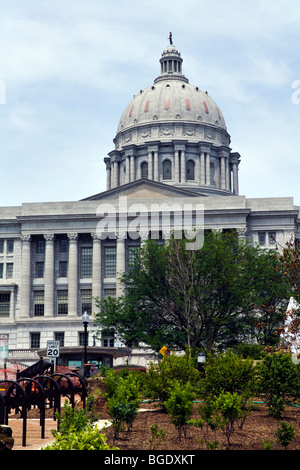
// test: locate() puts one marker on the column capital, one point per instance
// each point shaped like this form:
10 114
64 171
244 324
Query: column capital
25 238
122 235
49 237
96 236
72 236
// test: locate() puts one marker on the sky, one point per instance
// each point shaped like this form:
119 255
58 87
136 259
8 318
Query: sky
68 68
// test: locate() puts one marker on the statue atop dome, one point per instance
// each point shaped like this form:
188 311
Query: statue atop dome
170 39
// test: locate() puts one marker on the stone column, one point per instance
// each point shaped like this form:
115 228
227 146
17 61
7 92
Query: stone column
176 167
223 184
183 169
156 176
202 169
150 166
207 176
235 178
116 174
120 262
108 173
132 168
25 277
227 172
73 275
49 275
96 273
128 169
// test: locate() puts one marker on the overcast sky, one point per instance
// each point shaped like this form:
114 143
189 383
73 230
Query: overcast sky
68 68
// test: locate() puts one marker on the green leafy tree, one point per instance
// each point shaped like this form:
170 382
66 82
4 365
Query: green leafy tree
183 298
179 406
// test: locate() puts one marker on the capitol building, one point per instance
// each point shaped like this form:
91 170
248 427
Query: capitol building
56 258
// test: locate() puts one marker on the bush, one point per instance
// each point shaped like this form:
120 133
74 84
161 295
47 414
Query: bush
122 400
229 406
279 381
180 406
160 378
75 432
228 372
285 433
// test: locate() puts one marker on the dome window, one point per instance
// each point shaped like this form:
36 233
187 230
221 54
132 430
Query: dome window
144 170
167 170
190 170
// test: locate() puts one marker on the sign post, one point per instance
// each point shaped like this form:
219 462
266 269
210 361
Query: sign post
52 349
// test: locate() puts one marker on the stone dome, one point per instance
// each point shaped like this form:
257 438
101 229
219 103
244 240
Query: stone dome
173 101
173 133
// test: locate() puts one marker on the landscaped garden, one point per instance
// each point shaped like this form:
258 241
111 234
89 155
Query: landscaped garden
233 403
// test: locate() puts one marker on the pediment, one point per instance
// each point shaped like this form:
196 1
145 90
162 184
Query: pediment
143 189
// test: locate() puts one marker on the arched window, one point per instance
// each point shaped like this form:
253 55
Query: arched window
167 170
190 170
144 170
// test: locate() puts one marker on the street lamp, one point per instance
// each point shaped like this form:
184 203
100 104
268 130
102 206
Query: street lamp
85 321
201 359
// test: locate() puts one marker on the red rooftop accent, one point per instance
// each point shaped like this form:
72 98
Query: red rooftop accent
187 104
167 103
219 112
146 106
205 106
130 112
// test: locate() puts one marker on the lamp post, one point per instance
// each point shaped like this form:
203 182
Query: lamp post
201 359
85 321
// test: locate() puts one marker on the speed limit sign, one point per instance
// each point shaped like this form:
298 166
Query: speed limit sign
52 349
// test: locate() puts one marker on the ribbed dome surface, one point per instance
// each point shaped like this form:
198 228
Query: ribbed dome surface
171 100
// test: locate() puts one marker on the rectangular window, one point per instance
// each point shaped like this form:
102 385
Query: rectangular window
82 338
40 246
262 238
272 238
4 304
132 253
39 269
110 262
107 337
60 336
39 303
86 301
62 302
10 246
9 270
1 270
63 269
86 262
35 340
1 246
63 245
110 293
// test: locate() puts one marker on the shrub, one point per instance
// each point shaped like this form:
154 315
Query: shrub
180 406
279 381
122 401
160 378
285 433
86 439
228 372
157 436
229 406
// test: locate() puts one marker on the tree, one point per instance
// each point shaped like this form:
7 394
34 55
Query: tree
290 265
199 298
